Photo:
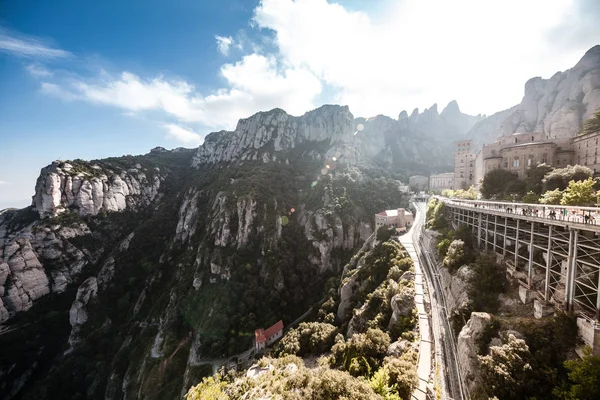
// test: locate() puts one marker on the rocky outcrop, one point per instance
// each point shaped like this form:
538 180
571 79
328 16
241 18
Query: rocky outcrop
557 106
90 189
266 134
402 304
78 313
468 348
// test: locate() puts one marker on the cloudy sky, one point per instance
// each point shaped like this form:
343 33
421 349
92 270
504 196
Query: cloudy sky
106 78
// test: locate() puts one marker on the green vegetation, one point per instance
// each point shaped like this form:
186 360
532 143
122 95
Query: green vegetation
288 378
487 281
362 354
435 215
584 378
592 124
308 338
559 178
579 193
469 194
500 184
552 197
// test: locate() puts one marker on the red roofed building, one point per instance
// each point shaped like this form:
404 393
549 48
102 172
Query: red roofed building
265 337
398 218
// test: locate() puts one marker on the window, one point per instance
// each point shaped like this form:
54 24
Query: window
515 140
530 160
462 161
516 162
532 139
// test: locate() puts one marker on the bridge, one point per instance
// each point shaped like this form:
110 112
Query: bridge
553 252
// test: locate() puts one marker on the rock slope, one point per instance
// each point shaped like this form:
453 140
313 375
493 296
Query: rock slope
557 106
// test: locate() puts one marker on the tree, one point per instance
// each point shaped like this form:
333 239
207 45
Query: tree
584 375
552 197
455 256
534 180
507 371
579 193
443 247
531 198
560 177
592 124
516 188
495 183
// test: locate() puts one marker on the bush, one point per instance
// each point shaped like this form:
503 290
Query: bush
552 197
308 338
442 247
455 256
362 353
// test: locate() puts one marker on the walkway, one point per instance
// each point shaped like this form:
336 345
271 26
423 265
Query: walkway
424 366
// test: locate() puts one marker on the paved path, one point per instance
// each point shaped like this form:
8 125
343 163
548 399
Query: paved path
424 366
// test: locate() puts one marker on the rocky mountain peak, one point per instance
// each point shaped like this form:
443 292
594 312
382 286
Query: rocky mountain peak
451 109
266 134
556 106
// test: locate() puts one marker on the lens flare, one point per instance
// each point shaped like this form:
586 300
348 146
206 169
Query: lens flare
284 220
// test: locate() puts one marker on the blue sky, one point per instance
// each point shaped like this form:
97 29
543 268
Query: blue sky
82 79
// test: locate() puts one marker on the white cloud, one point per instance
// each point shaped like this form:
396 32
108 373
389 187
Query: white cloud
3 183
57 91
417 52
223 44
38 70
254 84
28 46
183 135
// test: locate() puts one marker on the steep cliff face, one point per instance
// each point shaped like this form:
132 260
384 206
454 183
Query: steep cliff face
266 134
146 267
557 106
90 189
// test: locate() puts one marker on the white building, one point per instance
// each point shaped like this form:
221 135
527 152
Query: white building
441 181
398 218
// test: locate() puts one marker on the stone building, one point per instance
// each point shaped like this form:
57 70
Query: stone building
517 153
399 219
418 182
464 168
441 181
586 150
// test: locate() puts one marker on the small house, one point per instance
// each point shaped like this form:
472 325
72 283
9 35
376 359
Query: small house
266 337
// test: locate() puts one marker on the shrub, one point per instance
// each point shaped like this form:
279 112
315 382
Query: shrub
309 338
442 247
455 256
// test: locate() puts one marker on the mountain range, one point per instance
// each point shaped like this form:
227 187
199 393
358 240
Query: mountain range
127 275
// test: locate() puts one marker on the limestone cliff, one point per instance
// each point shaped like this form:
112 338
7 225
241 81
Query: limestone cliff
557 106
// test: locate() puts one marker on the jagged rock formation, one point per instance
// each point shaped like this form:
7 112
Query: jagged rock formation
163 261
557 106
93 188
418 139
264 135
468 348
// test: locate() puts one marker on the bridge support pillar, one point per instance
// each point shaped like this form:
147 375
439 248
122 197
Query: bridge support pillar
530 260
479 216
517 245
495 228
571 266
548 264
505 232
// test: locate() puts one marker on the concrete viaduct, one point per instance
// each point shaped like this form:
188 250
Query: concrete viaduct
553 252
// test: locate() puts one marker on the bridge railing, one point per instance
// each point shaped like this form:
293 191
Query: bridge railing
577 214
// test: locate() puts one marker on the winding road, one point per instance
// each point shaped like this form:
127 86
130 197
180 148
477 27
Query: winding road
436 323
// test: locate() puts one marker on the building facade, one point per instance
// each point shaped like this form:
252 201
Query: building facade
441 181
418 182
464 168
521 151
400 219
586 151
